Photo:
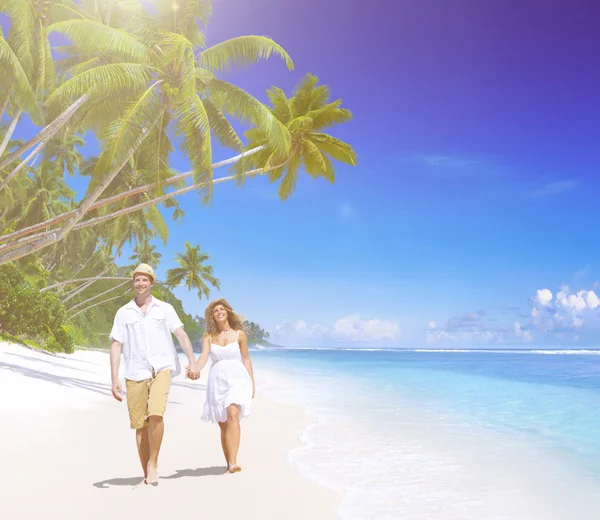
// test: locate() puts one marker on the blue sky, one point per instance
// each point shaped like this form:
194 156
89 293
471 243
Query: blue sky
476 127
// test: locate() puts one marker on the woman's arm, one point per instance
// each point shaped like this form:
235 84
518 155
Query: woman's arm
203 357
243 340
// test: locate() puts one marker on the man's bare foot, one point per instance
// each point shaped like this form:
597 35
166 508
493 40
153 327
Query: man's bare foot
152 477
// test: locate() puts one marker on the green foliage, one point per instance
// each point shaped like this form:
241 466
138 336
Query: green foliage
304 116
147 84
191 326
255 333
27 312
192 271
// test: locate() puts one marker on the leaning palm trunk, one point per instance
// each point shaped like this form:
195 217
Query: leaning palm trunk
95 279
10 131
97 296
74 292
49 131
110 200
5 102
24 162
99 303
162 198
57 235
91 222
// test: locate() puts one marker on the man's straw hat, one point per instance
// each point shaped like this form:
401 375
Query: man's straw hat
144 269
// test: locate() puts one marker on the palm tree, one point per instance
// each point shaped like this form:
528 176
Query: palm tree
156 81
192 272
306 114
146 253
47 196
61 152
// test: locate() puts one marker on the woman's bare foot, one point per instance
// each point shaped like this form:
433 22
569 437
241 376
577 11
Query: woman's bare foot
234 468
152 477
140 484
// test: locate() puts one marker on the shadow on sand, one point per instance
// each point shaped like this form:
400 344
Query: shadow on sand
180 473
90 386
131 482
198 472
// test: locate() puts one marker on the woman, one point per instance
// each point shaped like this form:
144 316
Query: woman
230 387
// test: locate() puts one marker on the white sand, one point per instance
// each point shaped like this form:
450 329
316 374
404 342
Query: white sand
67 451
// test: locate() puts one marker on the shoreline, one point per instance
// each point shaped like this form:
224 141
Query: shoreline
71 439
441 466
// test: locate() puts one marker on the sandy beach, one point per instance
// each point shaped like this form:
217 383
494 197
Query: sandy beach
68 450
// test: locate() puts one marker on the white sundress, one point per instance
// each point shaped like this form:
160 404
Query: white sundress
228 383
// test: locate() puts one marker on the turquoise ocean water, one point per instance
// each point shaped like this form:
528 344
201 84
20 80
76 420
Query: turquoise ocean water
447 434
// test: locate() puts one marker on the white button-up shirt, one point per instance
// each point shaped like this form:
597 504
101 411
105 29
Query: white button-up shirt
147 340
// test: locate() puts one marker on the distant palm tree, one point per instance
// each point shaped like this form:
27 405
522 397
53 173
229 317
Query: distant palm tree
145 253
192 272
61 152
48 195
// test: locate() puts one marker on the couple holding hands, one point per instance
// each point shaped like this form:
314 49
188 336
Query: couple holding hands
141 333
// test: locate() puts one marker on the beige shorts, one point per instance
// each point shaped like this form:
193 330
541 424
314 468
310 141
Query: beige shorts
147 397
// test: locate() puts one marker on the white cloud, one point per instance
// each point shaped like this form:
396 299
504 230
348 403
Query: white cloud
543 297
350 328
477 328
353 328
567 316
568 311
520 333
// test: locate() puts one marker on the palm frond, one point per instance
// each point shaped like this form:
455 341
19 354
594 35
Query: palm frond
89 36
288 183
191 121
153 155
241 105
23 33
334 147
314 161
282 109
122 136
23 91
239 53
221 128
302 99
329 115
103 80
154 218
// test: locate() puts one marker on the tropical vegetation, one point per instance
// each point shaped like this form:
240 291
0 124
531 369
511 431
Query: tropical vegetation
137 80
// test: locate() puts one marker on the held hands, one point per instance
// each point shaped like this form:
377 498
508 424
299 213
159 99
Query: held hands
192 372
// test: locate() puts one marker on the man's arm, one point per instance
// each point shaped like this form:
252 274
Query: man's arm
186 346
115 360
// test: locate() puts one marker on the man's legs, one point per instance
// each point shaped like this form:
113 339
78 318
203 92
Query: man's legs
143 446
137 404
155 435
157 405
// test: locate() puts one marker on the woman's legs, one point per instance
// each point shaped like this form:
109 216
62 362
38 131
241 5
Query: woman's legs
223 427
232 437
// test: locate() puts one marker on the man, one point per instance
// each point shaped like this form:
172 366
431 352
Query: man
142 331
